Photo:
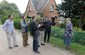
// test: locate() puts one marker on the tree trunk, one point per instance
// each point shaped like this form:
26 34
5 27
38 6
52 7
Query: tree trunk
81 21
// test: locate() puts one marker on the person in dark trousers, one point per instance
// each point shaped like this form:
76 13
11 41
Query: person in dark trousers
24 28
48 24
35 34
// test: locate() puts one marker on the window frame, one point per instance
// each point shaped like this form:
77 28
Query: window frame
51 8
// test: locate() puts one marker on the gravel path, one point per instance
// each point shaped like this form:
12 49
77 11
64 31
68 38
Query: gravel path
44 50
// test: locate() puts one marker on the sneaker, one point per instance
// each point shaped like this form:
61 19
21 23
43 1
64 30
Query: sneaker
42 44
27 44
37 51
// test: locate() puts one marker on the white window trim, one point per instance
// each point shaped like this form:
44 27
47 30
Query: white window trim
51 8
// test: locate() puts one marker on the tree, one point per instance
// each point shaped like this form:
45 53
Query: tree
7 8
74 9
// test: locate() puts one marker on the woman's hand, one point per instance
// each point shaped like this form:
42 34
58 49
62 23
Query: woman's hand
7 32
72 34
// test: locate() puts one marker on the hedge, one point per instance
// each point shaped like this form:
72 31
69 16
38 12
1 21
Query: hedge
16 22
78 37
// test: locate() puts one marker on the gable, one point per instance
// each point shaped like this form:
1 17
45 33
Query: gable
28 12
39 4
47 9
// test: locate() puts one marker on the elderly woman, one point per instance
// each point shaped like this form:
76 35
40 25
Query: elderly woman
68 33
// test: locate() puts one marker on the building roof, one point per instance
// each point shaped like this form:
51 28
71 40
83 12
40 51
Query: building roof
39 4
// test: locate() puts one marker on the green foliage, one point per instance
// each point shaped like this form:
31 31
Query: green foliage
62 25
78 29
17 23
71 8
0 22
75 22
7 8
57 32
4 19
76 48
78 37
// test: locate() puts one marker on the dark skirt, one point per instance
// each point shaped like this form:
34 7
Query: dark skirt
67 40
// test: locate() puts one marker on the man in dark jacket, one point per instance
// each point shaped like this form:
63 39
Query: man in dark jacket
35 34
48 24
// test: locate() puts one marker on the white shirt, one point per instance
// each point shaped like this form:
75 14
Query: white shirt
8 26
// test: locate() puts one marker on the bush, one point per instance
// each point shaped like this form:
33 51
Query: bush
3 19
78 37
75 22
16 22
57 32
83 27
62 26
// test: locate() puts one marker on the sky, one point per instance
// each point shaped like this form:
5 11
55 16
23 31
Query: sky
22 4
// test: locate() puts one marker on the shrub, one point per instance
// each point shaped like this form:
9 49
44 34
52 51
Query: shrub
3 19
75 22
57 32
78 37
17 23
83 27
62 26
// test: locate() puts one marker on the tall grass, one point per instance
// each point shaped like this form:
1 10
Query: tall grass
76 48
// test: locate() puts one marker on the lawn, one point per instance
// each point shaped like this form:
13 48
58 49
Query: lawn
76 48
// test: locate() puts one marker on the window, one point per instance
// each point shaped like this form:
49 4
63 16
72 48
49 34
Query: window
51 8
29 8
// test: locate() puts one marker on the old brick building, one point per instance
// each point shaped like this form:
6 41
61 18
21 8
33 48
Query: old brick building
47 8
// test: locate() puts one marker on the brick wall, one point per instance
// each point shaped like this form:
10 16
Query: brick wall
46 11
30 11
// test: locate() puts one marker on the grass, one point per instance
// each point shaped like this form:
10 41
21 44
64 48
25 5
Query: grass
0 22
76 48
